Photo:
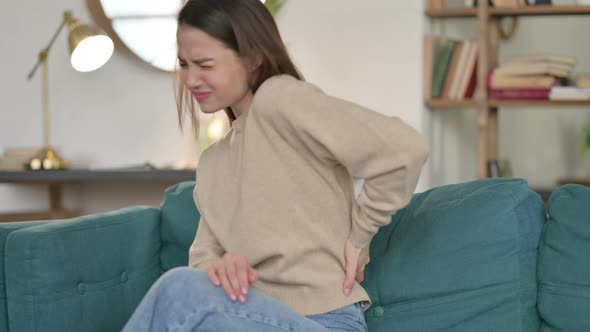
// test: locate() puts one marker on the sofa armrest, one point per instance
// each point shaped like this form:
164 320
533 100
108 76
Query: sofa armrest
5 229
83 274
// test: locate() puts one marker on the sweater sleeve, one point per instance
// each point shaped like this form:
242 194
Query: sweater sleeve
205 249
383 150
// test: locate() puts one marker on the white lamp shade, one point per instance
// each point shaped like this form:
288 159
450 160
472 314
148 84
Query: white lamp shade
91 53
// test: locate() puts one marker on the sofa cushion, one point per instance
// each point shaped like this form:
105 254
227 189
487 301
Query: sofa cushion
564 261
459 258
83 274
180 219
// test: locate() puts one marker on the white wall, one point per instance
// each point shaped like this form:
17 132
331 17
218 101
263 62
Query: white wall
367 52
124 113
452 133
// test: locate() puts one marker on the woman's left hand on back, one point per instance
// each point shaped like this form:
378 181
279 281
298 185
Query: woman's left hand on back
356 260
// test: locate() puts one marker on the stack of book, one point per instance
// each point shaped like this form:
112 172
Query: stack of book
583 81
509 3
455 4
569 93
450 68
578 92
529 77
14 159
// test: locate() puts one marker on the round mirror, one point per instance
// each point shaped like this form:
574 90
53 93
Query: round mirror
148 27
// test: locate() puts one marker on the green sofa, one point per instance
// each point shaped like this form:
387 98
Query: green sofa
479 256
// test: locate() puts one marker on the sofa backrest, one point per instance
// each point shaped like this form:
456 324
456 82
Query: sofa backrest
460 257
564 261
81 274
179 221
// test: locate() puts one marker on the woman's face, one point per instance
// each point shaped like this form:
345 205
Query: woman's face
214 74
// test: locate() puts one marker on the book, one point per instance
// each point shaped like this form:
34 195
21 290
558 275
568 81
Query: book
427 65
432 46
442 67
496 81
452 76
520 94
545 58
565 2
470 72
461 70
475 3
433 4
449 67
472 82
539 2
505 3
569 93
455 3
583 81
14 159
493 168
534 68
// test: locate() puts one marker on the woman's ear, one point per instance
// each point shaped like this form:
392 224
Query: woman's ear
254 62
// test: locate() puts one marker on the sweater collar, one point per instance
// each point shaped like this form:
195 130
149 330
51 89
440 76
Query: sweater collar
239 123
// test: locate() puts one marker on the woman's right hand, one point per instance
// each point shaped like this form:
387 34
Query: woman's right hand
234 274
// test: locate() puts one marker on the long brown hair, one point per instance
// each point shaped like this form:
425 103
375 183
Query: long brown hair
246 27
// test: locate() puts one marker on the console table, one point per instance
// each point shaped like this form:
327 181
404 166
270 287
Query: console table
56 179
580 181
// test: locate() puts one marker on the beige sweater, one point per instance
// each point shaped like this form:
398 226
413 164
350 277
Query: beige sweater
278 190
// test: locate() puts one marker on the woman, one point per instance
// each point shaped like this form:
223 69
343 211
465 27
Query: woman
280 241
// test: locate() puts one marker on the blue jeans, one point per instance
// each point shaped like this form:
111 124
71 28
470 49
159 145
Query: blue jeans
184 299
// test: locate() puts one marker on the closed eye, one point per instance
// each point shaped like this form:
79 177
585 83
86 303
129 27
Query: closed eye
202 65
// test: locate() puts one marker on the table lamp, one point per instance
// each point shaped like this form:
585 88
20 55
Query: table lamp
89 49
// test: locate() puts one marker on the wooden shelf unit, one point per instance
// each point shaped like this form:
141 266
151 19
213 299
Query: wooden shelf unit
538 103
583 182
470 103
488 19
451 12
55 180
445 103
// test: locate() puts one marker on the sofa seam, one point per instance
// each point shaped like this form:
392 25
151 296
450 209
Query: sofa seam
517 205
430 302
29 251
53 233
518 265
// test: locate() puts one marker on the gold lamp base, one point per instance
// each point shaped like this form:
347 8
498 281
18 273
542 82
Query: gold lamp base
46 159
